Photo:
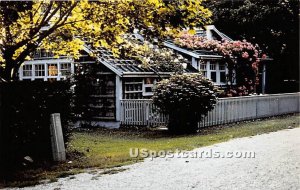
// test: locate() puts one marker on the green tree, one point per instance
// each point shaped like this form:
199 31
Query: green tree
63 26
273 24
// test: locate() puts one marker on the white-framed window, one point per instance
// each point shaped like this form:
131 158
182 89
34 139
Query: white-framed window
222 71
27 70
39 70
148 86
203 68
214 70
65 69
52 69
133 89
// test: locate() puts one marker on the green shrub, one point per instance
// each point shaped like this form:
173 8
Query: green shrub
186 99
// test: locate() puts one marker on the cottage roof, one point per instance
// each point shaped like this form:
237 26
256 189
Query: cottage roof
127 67
199 54
209 32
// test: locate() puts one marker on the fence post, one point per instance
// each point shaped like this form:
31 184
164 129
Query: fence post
57 139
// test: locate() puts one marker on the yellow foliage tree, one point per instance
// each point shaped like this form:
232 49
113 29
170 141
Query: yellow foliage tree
64 26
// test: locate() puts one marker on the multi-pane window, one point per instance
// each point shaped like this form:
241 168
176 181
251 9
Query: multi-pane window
139 88
133 89
203 69
39 69
222 70
213 72
42 54
27 70
52 70
148 86
46 70
212 66
65 69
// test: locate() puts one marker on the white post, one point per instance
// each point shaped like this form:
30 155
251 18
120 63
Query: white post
58 71
57 139
208 74
118 97
33 72
72 67
264 79
21 73
218 80
46 72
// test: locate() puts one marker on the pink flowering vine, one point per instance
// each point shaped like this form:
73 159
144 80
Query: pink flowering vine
242 56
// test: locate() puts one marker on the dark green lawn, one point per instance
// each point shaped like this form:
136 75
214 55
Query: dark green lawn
107 148
103 148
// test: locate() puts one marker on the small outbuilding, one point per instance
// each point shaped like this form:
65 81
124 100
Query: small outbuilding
117 79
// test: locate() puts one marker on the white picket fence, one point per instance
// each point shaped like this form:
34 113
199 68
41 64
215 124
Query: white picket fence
228 110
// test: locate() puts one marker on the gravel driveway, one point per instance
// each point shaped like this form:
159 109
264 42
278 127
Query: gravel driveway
276 166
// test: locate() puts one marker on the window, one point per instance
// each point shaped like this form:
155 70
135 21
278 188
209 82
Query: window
212 66
65 69
223 77
46 69
222 70
42 54
222 67
213 76
52 70
148 89
27 70
215 71
133 89
148 86
203 69
39 69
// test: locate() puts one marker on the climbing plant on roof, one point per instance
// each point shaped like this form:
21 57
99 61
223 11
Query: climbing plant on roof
152 56
242 60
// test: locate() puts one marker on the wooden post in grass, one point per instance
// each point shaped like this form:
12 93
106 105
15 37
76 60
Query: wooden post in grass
57 139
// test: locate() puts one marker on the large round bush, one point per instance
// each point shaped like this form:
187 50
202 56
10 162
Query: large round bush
186 98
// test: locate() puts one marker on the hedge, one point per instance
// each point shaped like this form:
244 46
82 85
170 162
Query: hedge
25 120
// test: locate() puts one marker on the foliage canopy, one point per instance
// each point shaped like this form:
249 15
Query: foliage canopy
274 25
63 26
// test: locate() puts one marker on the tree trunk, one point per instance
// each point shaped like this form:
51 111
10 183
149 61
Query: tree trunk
10 72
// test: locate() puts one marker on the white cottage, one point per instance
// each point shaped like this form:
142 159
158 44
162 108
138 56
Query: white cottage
117 79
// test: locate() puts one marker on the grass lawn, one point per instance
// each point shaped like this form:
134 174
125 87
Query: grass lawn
103 148
108 148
